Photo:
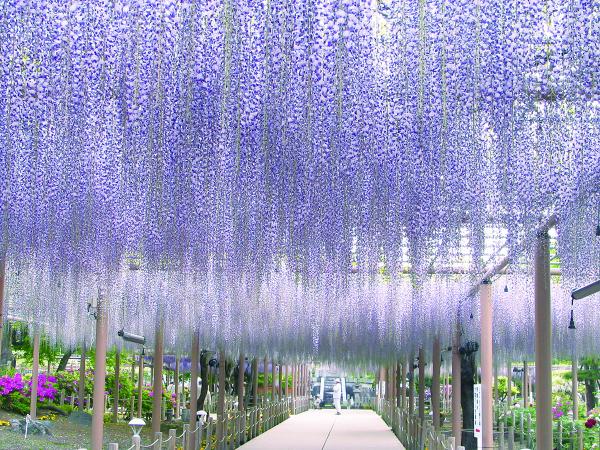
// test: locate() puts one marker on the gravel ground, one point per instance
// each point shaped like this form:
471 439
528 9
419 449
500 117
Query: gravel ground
67 435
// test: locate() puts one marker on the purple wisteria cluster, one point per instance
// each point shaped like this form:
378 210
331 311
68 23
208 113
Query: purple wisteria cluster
239 165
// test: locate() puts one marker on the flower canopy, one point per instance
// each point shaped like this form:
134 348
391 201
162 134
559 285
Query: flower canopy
296 177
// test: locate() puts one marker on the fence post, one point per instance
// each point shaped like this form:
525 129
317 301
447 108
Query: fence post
198 435
157 440
501 430
186 436
522 431
62 397
452 443
529 430
209 435
113 446
137 442
172 439
560 430
511 437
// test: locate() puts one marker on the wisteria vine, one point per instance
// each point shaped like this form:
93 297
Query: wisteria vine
289 174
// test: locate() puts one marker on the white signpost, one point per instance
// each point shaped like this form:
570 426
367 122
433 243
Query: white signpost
477 414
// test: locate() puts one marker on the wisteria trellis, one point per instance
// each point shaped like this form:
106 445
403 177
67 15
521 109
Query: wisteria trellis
285 174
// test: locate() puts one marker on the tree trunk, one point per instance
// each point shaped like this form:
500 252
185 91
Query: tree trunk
590 394
204 377
466 400
62 364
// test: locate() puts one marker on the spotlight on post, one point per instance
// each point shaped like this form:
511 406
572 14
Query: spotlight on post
586 291
136 425
92 308
571 322
581 293
130 337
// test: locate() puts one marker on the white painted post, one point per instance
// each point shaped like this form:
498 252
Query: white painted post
137 442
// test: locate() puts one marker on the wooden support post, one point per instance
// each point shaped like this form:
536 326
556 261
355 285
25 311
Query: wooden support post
100 374
140 384
194 386
543 342
255 381
509 384
221 402
176 380
456 369
280 380
265 377
2 277
574 386
35 372
116 386
81 386
421 385
157 385
399 383
411 383
435 382
273 387
487 416
403 392
240 382
525 384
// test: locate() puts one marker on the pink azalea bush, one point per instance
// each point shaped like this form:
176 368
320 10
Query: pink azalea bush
15 391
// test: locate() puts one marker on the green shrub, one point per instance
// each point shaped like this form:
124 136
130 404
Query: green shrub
15 402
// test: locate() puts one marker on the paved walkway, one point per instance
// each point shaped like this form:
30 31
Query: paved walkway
355 429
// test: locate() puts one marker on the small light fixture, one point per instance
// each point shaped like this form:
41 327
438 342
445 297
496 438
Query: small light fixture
506 288
136 425
92 308
572 321
130 337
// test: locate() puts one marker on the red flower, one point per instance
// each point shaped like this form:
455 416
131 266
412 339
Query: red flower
591 423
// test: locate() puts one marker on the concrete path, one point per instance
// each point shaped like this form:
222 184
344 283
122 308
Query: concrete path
355 429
